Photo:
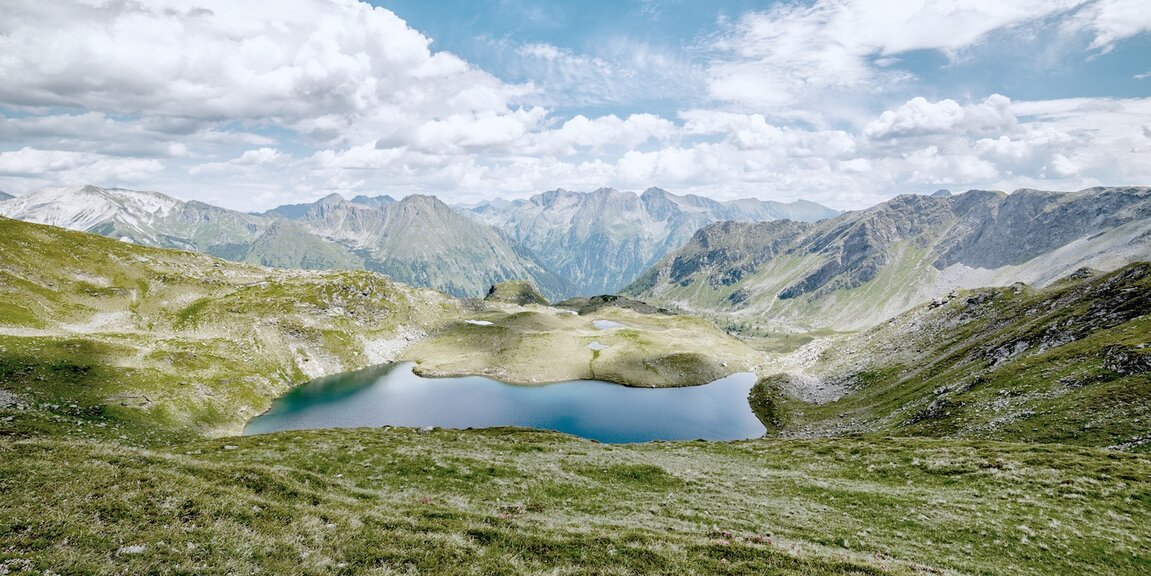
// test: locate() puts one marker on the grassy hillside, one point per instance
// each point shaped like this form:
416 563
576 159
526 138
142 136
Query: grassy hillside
860 268
537 344
1070 363
118 365
112 334
394 501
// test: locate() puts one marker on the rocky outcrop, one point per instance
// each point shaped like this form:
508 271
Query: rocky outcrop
584 306
418 240
519 292
1067 363
874 263
602 240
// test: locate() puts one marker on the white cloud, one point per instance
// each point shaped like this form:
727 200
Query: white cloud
229 60
228 105
1114 20
619 71
66 167
581 133
244 164
919 117
776 57
754 132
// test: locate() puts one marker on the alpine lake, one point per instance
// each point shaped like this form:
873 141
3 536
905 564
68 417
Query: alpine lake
392 395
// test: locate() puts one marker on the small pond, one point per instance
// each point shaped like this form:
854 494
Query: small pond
392 395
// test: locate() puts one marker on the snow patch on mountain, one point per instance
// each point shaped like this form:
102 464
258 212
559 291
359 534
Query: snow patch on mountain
89 206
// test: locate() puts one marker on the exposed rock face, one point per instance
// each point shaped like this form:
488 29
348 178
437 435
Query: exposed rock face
602 240
147 218
584 306
374 201
519 292
1066 363
422 241
862 267
286 244
1028 223
419 240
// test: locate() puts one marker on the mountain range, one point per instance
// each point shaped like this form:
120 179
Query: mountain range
860 268
420 240
566 243
602 240
121 365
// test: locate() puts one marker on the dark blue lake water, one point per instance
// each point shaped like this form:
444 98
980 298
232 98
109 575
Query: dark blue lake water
392 395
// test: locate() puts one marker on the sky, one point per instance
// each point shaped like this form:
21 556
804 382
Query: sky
249 105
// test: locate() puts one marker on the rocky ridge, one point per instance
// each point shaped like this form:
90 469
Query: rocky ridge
860 268
421 241
601 240
418 240
1069 363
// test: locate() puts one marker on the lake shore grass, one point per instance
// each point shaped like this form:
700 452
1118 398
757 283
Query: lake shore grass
513 501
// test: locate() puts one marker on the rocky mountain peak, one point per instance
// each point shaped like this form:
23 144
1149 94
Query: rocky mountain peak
868 265
422 202
604 238
333 199
374 201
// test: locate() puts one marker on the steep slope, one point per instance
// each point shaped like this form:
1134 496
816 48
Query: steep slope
5 196
287 244
147 218
857 269
417 241
373 201
299 211
420 240
602 240
1070 363
127 333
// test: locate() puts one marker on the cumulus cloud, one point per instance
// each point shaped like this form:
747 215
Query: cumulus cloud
340 60
223 103
1114 20
754 132
581 133
774 58
66 167
919 117
250 159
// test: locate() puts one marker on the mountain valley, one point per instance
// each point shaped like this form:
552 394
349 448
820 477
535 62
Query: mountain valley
566 243
860 268
601 240
983 430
